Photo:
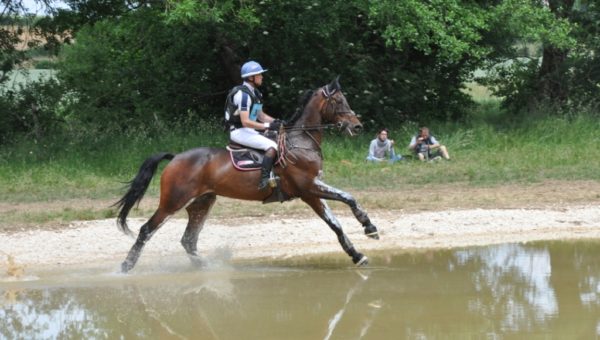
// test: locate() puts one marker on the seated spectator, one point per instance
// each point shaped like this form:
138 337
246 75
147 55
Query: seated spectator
382 148
426 147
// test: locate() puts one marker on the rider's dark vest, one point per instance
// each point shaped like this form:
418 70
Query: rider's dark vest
231 120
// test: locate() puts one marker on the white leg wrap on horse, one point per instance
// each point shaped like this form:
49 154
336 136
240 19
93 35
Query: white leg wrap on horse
363 260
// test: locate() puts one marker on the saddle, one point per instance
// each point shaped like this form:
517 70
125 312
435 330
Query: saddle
245 158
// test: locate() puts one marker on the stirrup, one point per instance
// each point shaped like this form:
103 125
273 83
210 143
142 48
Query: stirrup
270 181
264 183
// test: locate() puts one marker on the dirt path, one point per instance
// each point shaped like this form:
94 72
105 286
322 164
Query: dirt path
277 237
414 218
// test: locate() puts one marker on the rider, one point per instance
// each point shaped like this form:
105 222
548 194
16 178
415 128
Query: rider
244 116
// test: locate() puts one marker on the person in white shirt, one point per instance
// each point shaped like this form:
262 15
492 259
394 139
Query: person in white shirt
382 148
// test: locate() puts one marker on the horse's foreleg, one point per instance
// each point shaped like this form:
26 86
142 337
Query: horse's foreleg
146 232
328 192
321 208
198 212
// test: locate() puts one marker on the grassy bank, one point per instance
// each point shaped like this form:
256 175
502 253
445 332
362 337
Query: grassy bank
94 166
548 149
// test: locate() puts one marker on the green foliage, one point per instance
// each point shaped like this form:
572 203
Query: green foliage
399 61
10 55
143 70
31 111
180 66
530 21
584 79
190 11
450 30
45 65
566 77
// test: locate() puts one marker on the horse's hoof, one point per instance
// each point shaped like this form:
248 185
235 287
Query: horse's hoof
374 235
362 262
125 267
196 260
372 232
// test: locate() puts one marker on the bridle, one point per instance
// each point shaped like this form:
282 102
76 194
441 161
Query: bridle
327 107
329 102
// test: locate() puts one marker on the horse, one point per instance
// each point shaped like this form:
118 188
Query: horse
193 179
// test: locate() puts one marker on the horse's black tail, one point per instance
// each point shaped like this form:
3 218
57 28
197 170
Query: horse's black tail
137 188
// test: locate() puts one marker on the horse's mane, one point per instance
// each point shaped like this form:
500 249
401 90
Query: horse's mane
300 109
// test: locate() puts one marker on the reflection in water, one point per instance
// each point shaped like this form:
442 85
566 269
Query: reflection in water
537 290
337 317
518 306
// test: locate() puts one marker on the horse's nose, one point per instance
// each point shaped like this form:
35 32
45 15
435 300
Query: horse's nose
358 128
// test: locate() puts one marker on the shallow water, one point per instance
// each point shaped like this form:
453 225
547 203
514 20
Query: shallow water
533 291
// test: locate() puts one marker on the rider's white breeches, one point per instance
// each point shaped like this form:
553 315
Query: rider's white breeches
252 138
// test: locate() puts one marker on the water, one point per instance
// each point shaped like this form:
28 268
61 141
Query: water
513 291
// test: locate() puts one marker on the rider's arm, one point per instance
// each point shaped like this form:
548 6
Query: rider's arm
247 122
265 118
244 103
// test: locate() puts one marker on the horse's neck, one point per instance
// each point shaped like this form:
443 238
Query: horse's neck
309 123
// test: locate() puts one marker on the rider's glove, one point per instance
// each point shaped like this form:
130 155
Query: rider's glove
275 125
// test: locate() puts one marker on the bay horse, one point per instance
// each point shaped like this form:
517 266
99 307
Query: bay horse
193 179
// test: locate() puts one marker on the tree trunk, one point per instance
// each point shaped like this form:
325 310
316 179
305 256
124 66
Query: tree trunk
552 82
553 85
229 59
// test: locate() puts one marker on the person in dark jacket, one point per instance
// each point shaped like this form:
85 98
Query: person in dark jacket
426 147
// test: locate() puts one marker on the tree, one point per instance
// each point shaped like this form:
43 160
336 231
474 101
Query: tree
561 75
398 61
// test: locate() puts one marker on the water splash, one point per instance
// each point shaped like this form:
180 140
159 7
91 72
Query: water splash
13 270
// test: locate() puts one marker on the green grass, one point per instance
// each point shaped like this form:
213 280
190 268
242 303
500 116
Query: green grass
549 149
478 92
97 165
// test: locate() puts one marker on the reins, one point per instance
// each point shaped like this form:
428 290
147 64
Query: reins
284 144
309 127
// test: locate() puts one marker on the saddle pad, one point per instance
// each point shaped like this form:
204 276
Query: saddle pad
245 159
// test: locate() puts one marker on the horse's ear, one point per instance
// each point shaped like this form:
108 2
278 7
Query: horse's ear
334 86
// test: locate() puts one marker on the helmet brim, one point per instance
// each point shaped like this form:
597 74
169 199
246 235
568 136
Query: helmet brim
250 74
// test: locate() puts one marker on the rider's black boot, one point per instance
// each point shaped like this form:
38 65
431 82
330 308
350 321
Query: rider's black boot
265 172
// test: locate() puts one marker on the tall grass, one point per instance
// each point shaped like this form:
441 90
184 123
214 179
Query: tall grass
95 165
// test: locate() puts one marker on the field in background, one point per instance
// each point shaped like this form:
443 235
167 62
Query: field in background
79 174
22 77
94 168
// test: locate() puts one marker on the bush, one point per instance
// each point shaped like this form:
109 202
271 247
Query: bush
32 110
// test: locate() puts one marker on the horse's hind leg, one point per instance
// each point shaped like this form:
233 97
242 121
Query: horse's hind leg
198 212
146 232
322 209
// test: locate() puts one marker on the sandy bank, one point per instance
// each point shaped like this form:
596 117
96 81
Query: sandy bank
100 241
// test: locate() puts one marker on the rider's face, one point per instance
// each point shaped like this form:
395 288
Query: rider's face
258 79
